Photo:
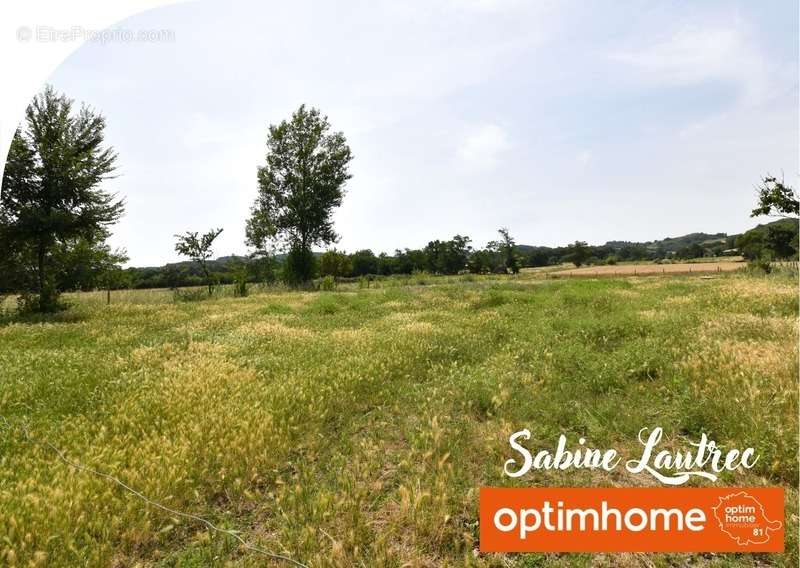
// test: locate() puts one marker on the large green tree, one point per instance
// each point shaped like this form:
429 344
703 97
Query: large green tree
335 263
302 182
51 194
577 253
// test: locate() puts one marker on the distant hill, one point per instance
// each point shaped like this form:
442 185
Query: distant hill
790 224
673 244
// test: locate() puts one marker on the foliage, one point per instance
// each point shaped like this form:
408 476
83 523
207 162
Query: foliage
782 241
51 194
263 267
761 264
299 187
694 250
241 276
335 263
363 262
86 265
447 257
327 284
508 248
776 198
776 240
299 267
198 248
577 253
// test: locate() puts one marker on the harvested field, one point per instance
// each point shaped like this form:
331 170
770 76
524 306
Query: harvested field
651 269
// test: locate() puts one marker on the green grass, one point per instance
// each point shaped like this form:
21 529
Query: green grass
354 427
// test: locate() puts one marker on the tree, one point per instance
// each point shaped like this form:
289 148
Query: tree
694 250
751 244
86 265
577 253
335 263
299 187
198 248
776 199
448 257
777 240
538 256
386 264
781 241
509 252
364 262
51 192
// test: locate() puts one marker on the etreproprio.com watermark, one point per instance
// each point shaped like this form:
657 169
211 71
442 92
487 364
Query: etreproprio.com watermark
50 34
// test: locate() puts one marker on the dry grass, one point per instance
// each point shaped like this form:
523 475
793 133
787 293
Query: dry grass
354 428
652 269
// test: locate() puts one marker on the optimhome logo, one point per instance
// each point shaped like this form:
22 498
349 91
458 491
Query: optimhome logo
631 519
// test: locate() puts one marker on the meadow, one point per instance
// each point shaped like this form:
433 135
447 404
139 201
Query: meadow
354 427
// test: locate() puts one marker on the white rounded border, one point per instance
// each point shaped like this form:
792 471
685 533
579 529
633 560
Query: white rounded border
25 63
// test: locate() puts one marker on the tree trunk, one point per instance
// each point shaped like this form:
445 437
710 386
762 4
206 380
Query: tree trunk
208 278
40 268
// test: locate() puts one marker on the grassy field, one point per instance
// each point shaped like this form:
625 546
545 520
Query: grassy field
353 428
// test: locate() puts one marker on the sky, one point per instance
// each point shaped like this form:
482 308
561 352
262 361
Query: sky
562 121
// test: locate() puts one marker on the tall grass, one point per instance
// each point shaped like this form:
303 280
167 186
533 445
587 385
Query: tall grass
354 427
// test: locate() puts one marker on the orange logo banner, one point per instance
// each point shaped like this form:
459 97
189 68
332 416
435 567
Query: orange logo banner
724 519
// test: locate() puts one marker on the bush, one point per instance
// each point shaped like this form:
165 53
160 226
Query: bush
194 295
421 277
47 303
240 284
327 284
761 265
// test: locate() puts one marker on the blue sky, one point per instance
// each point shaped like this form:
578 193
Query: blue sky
561 120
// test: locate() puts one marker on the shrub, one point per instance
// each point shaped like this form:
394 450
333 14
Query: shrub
421 277
327 284
240 284
760 264
48 303
193 295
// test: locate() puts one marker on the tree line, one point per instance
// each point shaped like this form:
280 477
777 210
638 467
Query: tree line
55 218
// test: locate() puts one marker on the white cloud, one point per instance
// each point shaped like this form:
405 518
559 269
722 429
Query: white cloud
697 53
486 5
483 148
584 158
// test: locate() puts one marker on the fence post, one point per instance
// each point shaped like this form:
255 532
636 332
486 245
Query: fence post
108 296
